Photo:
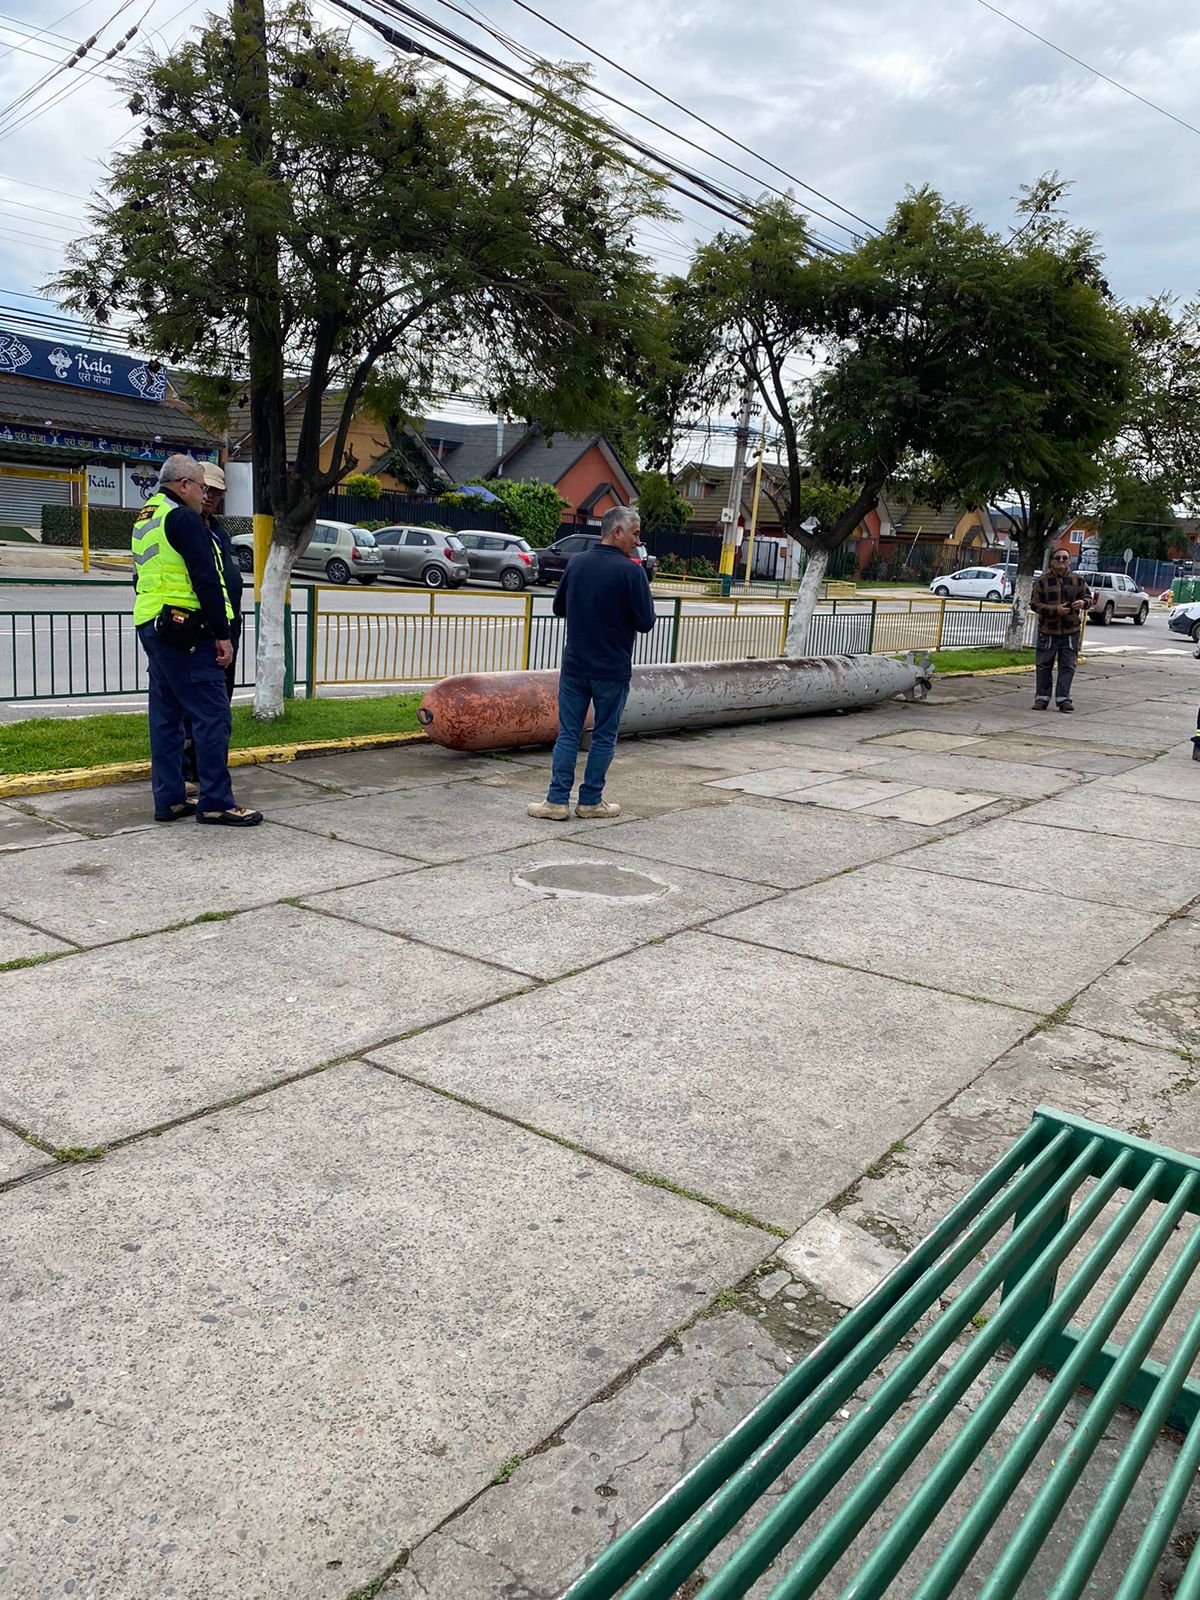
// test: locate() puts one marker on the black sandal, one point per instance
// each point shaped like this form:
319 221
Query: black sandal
185 808
239 817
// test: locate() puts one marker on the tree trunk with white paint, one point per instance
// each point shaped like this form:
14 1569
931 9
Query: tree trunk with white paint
805 603
270 656
1029 549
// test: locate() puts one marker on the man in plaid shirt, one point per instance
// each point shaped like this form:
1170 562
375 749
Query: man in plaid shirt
1060 598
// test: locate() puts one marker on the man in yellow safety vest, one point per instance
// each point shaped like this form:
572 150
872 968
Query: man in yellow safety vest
184 621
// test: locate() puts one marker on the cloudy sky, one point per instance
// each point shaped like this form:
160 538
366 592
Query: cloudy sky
855 97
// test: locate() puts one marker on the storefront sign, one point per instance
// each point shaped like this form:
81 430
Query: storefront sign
62 362
139 484
97 444
104 485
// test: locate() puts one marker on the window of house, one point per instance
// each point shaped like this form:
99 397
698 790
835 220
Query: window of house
1076 536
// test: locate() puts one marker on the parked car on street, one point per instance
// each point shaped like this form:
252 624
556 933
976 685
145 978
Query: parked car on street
337 551
973 583
423 555
503 558
552 561
1186 619
1115 595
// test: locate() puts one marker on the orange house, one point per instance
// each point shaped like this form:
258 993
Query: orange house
583 467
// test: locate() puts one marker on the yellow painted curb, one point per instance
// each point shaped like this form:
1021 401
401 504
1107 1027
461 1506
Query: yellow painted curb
989 672
14 785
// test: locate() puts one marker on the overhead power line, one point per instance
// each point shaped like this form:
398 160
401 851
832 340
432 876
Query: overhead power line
524 53
404 42
1087 67
704 121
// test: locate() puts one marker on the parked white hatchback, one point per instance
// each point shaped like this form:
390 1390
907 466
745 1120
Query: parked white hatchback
973 583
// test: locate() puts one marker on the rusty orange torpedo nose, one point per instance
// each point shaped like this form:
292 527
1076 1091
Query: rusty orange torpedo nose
492 710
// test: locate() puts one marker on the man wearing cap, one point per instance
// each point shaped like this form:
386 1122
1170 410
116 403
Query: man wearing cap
184 620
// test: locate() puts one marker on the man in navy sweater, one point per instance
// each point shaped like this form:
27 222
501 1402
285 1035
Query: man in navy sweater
604 595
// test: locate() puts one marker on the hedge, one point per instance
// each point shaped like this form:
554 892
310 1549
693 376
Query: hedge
109 527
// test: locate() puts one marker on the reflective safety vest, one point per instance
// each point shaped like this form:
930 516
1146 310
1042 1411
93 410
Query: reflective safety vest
162 575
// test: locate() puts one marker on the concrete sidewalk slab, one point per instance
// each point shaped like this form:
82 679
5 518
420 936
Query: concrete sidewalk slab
484 908
949 933
21 943
774 782
407 766
1119 872
929 807
966 771
1154 996
1099 809
1069 1067
926 739
1054 753
765 842
341 1360
18 831
106 889
1168 777
691 1061
120 807
429 823
849 794
133 1038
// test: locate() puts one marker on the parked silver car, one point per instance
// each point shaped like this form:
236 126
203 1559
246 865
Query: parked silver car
337 551
502 558
1115 595
429 556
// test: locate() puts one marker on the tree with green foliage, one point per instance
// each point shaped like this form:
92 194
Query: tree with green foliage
936 352
661 507
532 509
1061 382
295 207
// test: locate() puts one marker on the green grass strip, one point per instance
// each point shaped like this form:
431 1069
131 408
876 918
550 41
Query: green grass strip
57 744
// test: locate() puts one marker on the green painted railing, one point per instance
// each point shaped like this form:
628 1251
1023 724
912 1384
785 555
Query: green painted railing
80 651
1076 1217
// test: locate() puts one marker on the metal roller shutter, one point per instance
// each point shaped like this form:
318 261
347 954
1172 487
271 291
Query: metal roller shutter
22 499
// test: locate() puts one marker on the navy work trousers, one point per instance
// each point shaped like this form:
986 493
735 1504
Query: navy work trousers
575 694
187 686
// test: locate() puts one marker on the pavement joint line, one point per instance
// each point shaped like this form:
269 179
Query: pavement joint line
157 1129
650 1179
888 977
412 938
608 1391
967 877
380 849
170 927
23 783
15 916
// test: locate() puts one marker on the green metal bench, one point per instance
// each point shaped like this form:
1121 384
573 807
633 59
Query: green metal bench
1069 1194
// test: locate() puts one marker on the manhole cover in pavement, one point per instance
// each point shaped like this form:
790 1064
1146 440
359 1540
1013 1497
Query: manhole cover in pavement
596 880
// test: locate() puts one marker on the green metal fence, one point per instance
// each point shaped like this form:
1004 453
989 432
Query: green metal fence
66 651
1081 1243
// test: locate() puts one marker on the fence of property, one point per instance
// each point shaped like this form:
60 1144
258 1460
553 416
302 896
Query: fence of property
81 645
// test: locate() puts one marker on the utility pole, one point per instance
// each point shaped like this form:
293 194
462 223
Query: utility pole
734 506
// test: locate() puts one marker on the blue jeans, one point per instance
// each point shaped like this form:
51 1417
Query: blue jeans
187 686
575 694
